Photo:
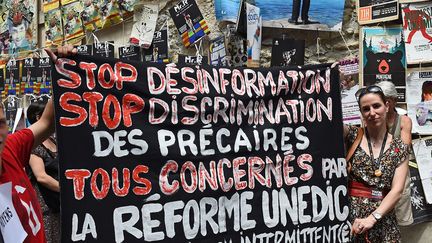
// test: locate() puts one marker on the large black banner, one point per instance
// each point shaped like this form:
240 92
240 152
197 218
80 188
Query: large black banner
157 153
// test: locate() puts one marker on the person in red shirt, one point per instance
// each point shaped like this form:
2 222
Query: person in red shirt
20 213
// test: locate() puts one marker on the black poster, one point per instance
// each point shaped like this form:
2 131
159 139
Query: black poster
189 21
28 79
2 78
103 49
375 11
236 48
157 153
130 52
11 112
43 76
12 83
158 50
286 52
85 50
421 211
192 60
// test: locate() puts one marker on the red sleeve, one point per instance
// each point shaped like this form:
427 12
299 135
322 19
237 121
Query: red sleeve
20 144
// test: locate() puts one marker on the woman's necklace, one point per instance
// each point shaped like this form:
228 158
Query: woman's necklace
377 161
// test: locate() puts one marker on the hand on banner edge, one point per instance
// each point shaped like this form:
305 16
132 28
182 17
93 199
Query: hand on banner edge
62 51
334 64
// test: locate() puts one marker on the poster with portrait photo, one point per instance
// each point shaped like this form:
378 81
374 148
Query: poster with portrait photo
286 52
322 15
145 17
419 99
4 32
417 26
192 60
43 76
217 52
158 50
349 84
28 79
189 22
130 53
382 57
90 15
109 12
254 35
377 11
53 27
22 23
103 49
12 82
236 48
72 23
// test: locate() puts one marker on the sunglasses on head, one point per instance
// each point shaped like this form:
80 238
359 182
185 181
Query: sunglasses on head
367 90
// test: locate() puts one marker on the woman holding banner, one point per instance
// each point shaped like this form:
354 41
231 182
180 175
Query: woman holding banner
377 161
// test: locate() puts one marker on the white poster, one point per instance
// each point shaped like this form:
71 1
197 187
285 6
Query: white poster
417 27
349 84
145 17
10 224
419 99
423 152
254 26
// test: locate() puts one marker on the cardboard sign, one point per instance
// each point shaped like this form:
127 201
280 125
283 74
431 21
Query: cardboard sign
158 153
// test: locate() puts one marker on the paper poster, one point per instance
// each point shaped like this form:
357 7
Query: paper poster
322 15
349 84
377 11
10 226
286 52
21 21
12 82
72 23
146 16
2 78
236 48
192 60
419 99
189 22
253 35
382 57
130 52
53 27
417 25
48 5
217 52
127 7
423 152
90 15
158 50
43 76
28 79
421 210
103 49
86 50
109 12
12 104
4 31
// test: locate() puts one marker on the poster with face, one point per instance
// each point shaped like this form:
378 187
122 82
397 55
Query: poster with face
158 51
127 7
417 26
189 21
143 29
109 12
28 79
217 52
419 99
53 27
286 52
12 82
382 57
72 23
349 84
90 15
4 31
323 15
21 22
254 36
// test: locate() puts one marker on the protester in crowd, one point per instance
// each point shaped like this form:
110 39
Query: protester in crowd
377 163
45 177
15 150
400 126
424 108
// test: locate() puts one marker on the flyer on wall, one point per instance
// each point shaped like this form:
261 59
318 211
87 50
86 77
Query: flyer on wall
12 81
236 48
349 84
254 35
419 99
189 22
423 152
286 52
90 15
158 51
377 11
28 79
144 27
217 52
322 15
53 27
382 57
417 25
72 26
